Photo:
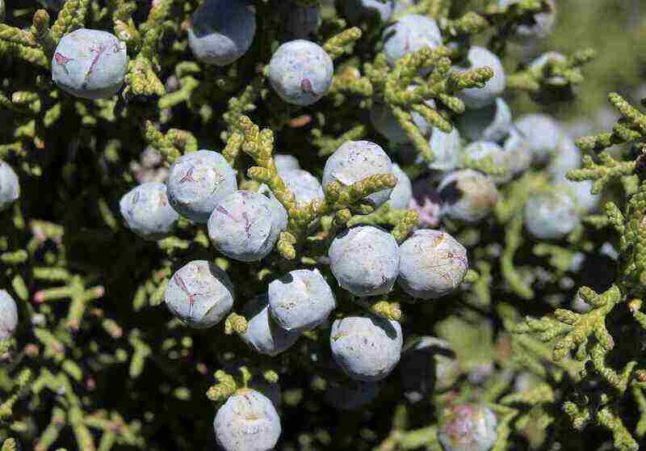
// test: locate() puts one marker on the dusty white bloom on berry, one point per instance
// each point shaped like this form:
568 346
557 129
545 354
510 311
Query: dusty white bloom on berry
248 421
147 211
301 72
263 334
90 64
300 300
9 186
481 97
8 315
432 264
200 294
245 225
222 31
356 160
467 195
468 427
365 260
365 347
196 181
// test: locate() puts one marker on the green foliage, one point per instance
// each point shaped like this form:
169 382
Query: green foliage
98 363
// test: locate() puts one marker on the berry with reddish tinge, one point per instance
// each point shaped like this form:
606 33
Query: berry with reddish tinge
90 64
468 427
196 181
467 195
301 72
200 294
245 225
431 264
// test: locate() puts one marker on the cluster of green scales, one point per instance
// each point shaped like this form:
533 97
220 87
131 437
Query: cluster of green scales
97 363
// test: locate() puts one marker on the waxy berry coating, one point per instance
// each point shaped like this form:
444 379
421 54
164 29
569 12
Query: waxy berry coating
468 427
200 294
147 211
467 195
196 181
409 34
222 31
301 72
551 214
9 186
403 192
365 347
8 315
90 64
365 260
300 300
494 87
248 421
355 160
432 264
245 225
263 334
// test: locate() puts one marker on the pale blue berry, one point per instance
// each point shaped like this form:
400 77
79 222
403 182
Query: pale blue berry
147 211
403 192
490 123
300 300
248 421
481 97
90 64
581 191
200 294
566 156
285 162
305 187
245 226
9 186
365 260
551 214
409 34
222 31
263 334
8 315
518 149
196 181
481 150
446 148
365 347
301 72
356 160
432 264
351 394
467 195
468 427
386 124
430 366
542 133
358 10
